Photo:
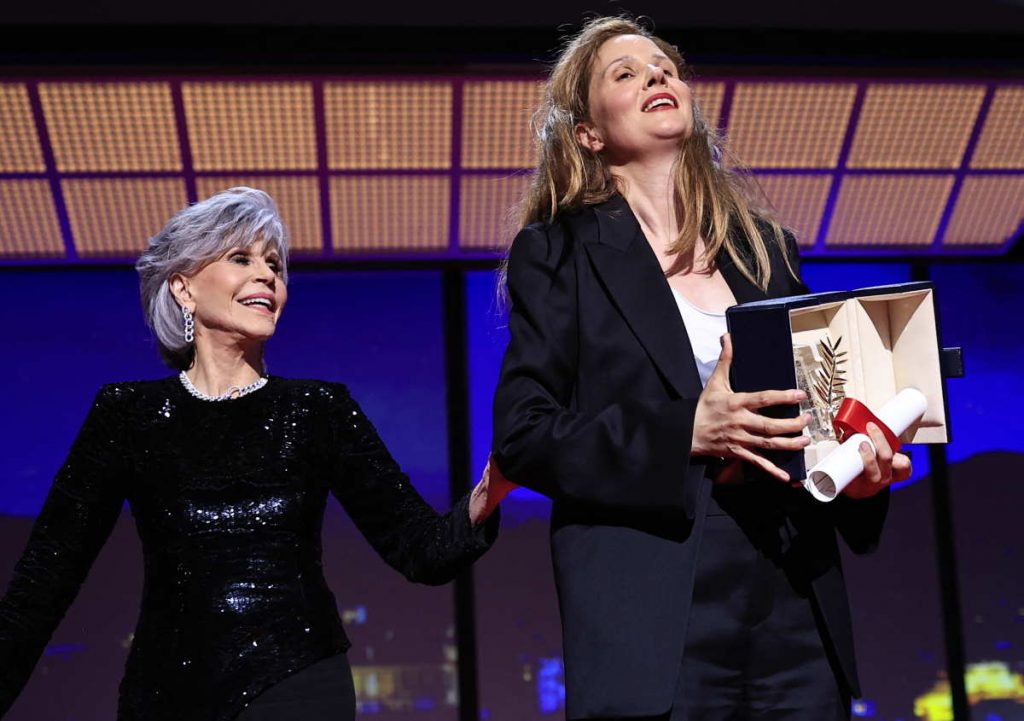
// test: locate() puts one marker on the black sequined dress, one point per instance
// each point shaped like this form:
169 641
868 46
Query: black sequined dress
228 499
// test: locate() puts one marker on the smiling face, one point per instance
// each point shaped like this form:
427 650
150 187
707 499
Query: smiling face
237 297
637 103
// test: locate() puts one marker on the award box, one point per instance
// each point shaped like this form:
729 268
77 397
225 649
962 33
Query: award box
890 338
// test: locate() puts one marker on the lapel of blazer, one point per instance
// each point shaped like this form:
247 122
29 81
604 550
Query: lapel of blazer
627 266
742 289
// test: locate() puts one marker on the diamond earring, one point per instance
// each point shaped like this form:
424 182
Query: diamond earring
190 325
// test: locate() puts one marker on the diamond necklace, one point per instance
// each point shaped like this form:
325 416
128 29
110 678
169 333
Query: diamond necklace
229 394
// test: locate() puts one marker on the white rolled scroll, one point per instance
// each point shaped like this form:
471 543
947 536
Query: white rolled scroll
834 472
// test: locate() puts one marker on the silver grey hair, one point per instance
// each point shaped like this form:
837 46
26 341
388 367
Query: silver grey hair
192 239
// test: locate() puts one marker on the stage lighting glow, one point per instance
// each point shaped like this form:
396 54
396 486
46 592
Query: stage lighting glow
19 141
380 213
1001 144
486 210
914 125
496 117
115 126
385 125
250 125
799 201
989 211
297 197
790 125
28 220
385 145
896 210
117 216
709 96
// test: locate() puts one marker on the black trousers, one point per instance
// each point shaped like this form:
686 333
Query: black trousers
321 692
753 649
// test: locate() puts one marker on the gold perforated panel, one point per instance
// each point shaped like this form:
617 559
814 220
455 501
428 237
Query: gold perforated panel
19 141
388 125
97 127
256 130
118 216
709 95
799 201
790 125
889 209
28 220
383 213
1001 144
989 210
251 125
915 126
496 117
297 198
486 209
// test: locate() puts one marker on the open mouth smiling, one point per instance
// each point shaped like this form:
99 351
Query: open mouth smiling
660 101
263 303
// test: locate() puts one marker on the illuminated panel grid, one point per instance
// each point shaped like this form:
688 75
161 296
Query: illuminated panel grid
486 210
790 125
799 201
1001 144
388 125
915 126
385 213
709 96
111 126
19 142
251 126
989 210
889 209
118 216
298 199
28 220
496 130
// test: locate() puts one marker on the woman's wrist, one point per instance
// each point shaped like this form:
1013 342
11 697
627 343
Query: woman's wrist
478 509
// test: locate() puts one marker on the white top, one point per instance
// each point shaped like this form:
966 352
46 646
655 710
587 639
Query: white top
705 330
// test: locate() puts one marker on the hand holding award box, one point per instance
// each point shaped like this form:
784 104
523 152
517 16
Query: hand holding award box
866 355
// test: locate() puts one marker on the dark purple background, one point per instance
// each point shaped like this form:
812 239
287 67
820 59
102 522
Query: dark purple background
917 15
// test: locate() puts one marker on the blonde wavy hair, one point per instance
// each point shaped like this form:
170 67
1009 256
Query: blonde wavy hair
714 194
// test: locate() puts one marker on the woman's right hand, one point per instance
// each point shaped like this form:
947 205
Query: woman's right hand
726 424
489 491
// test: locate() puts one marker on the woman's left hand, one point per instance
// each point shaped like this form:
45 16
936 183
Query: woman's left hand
880 468
490 490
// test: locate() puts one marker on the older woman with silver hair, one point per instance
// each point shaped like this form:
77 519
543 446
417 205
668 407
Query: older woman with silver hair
227 472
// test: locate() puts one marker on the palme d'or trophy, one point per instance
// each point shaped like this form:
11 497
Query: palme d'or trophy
836 419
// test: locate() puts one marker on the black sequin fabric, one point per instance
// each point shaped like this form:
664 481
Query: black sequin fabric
228 499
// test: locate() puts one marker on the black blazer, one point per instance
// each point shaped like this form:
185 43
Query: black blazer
595 409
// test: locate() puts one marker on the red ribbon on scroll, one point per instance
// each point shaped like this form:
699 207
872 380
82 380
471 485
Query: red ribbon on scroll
853 417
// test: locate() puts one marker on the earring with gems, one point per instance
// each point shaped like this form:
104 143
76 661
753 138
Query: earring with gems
190 325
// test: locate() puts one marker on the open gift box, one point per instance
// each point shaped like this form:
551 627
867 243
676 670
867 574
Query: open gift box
890 338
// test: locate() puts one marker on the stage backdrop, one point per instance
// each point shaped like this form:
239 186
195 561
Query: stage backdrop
66 332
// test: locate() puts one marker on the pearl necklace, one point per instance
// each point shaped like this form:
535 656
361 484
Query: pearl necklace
229 394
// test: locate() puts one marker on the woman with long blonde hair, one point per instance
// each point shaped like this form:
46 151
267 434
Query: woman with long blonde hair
694 580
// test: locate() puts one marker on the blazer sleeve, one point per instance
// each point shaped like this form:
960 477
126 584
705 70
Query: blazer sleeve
80 511
628 455
859 521
423 545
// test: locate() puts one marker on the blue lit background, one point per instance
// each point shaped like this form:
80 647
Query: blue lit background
67 332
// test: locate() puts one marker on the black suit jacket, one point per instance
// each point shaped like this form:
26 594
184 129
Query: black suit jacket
595 409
